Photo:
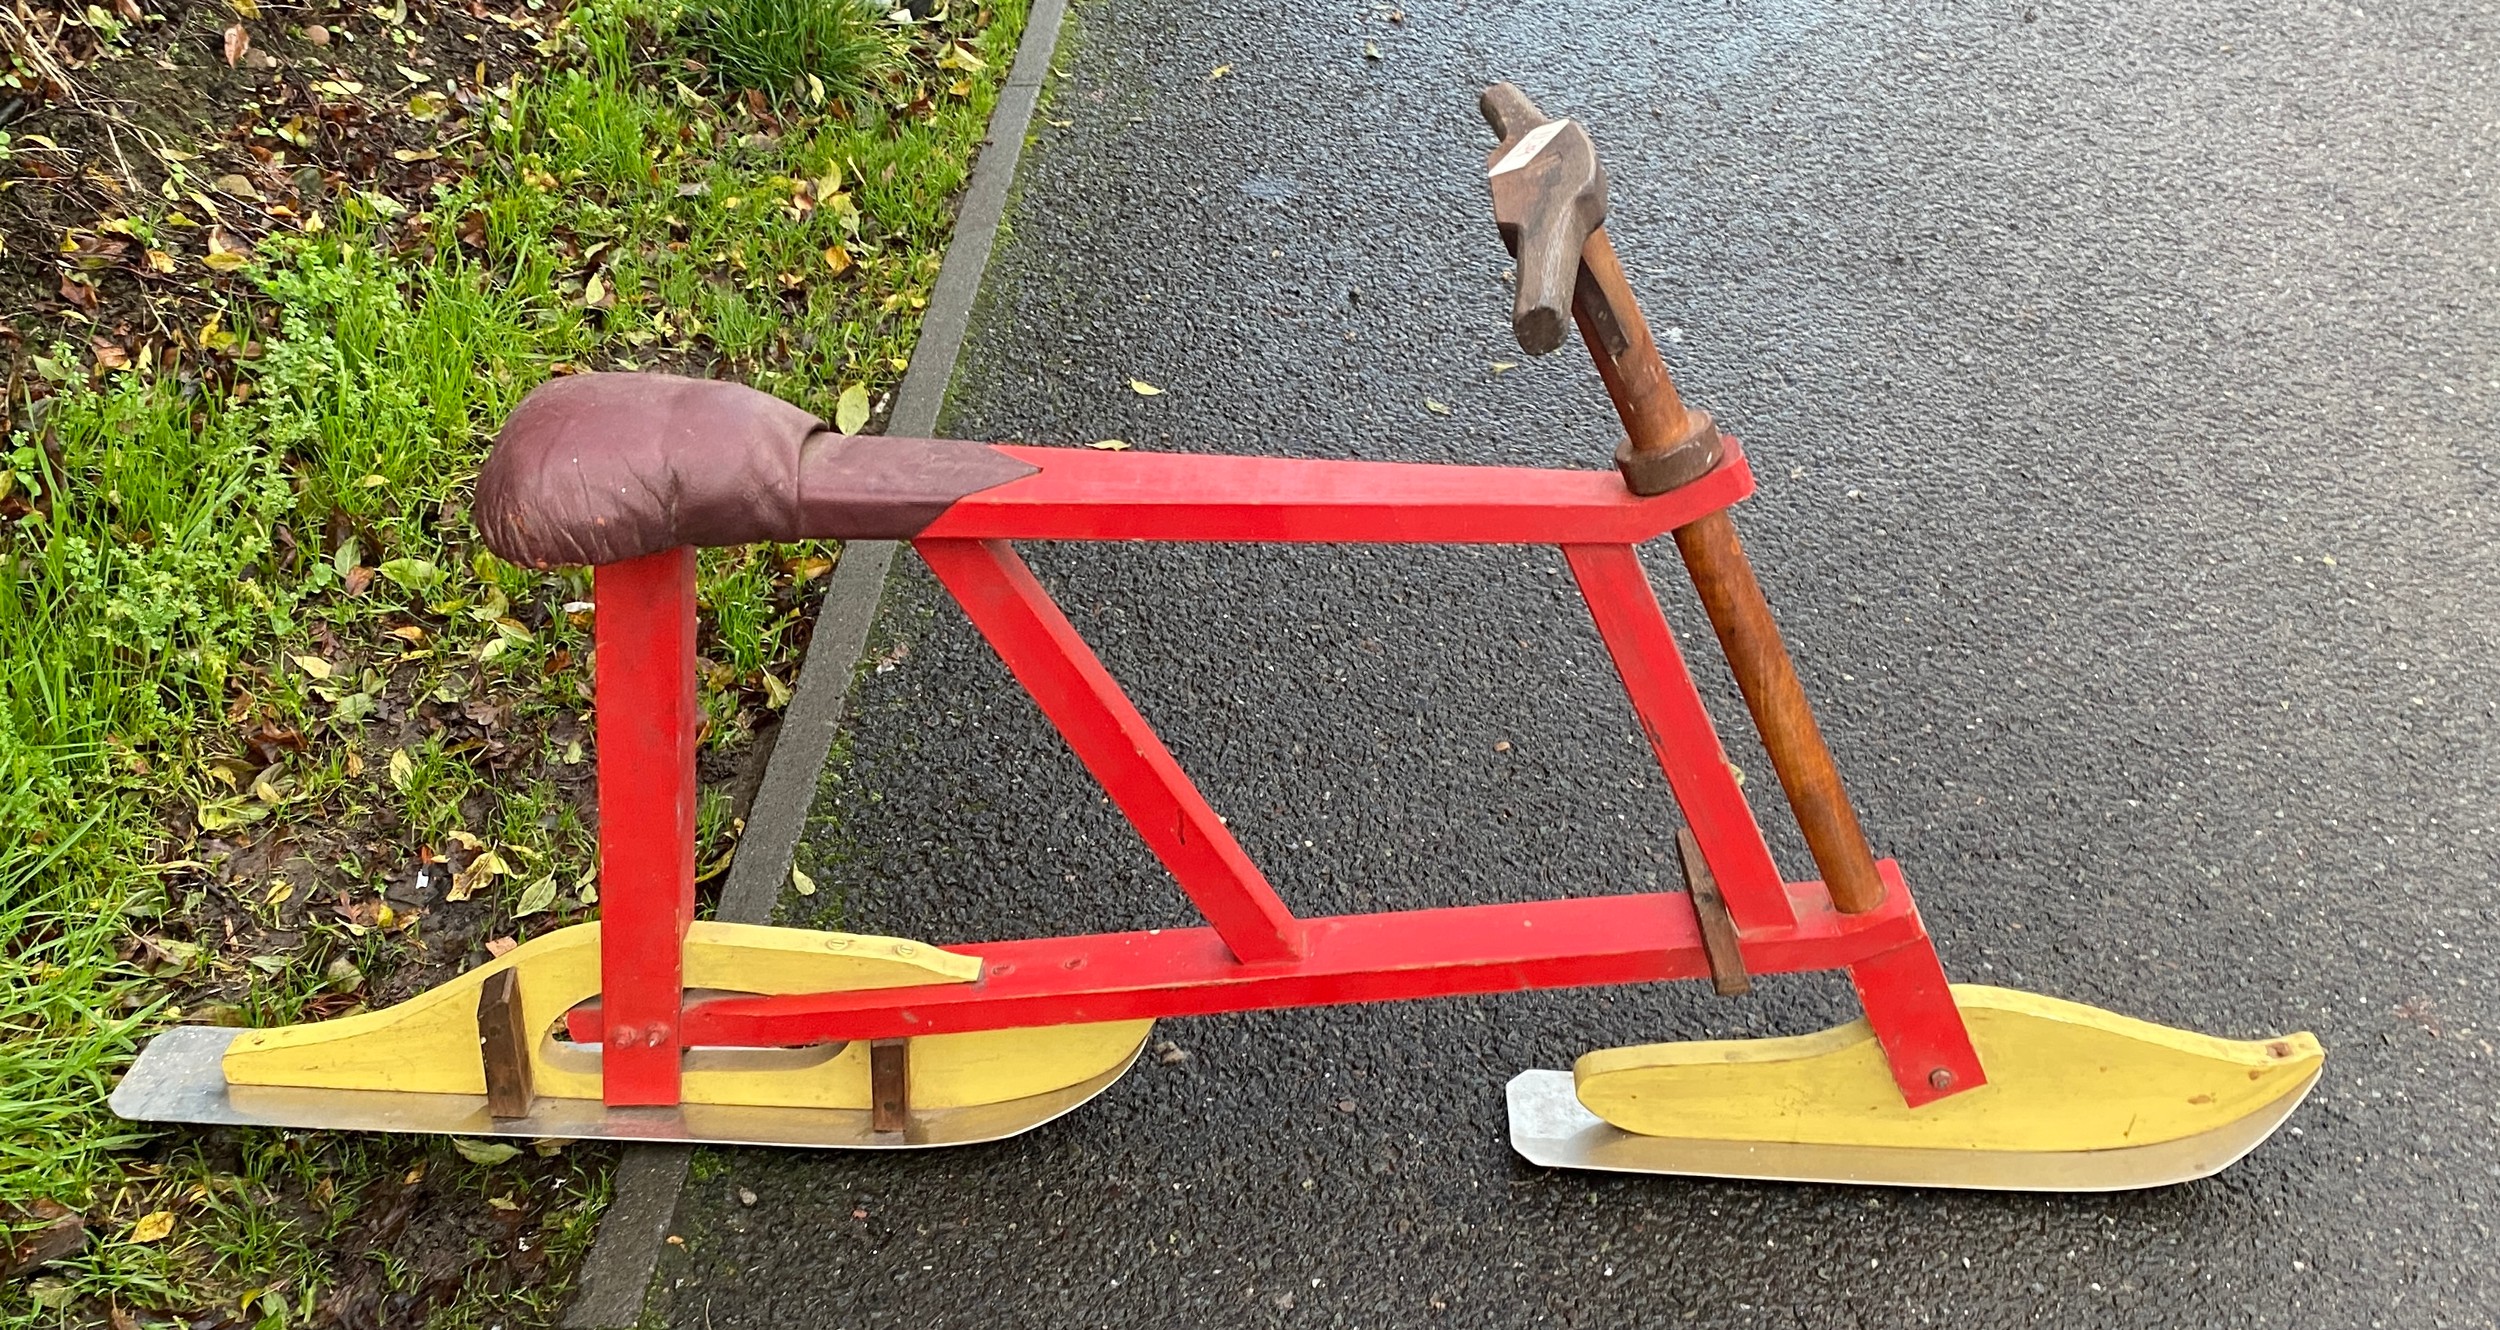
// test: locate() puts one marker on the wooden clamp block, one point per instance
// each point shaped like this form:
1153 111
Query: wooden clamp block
889 1084
504 1043
1718 930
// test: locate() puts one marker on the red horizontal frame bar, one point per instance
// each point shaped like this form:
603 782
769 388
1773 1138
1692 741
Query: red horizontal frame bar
1082 494
1473 949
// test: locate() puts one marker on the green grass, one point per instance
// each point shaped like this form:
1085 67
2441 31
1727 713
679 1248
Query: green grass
792 49
296 492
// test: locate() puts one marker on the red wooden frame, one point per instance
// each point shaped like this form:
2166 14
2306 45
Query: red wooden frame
647 711
1255 953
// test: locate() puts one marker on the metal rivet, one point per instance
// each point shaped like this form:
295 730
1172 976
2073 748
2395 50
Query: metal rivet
1940 1078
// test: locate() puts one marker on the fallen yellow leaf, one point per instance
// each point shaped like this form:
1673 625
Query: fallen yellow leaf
850 410
1110 445
153 1227
1143 388
314 666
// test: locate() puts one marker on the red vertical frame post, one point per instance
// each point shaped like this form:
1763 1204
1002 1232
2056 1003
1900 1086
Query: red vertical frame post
647 717
1042 649
1625 608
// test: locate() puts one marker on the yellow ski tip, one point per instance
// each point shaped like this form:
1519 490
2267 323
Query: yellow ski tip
2066 1082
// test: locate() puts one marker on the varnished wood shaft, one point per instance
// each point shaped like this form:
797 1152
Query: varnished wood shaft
1619 341
1768 679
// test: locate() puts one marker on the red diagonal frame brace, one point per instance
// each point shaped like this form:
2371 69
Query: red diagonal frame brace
1256 953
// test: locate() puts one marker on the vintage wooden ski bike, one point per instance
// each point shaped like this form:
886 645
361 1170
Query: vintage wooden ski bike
651 1024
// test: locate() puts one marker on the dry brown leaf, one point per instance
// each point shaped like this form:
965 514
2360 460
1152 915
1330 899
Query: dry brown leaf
238 44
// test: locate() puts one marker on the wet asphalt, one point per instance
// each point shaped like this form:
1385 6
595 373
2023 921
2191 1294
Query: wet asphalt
2121 379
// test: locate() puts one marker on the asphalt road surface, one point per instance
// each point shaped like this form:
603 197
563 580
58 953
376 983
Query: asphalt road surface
2121 380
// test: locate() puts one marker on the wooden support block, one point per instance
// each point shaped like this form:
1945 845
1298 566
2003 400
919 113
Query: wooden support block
504 1042
889 1084
1718 931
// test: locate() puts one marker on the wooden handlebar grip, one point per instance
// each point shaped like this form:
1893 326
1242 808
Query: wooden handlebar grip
1742 618
1508 110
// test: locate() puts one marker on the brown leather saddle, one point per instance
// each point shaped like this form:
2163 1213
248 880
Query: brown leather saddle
600 468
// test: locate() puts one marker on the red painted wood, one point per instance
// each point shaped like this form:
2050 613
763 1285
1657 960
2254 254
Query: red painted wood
1909 1004
1082 494
647 715
1043 650
1680 733
1351 958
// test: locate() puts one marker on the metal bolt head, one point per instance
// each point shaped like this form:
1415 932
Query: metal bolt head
1940 1078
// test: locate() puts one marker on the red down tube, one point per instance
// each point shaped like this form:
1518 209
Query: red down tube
1042 649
